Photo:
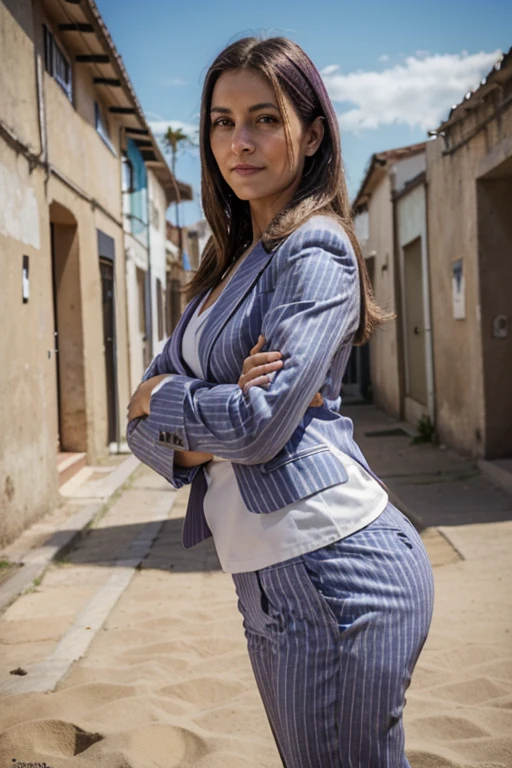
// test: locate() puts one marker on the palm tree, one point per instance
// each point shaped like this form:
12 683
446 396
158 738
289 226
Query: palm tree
174 140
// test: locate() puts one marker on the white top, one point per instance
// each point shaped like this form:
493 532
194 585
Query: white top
246 541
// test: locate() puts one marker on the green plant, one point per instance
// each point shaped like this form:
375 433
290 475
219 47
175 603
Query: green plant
426 431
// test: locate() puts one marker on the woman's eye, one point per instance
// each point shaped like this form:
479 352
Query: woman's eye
222 121
267 119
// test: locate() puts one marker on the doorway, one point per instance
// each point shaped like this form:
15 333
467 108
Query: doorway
143 346
494 192
414 324
106 252
68 331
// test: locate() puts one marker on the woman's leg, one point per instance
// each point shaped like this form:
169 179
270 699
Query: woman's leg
333 638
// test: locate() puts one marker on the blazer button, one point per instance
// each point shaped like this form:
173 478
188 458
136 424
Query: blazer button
163 437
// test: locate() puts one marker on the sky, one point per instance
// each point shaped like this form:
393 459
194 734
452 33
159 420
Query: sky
393 69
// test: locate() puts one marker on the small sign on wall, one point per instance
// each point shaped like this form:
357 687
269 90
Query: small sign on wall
458 290
25 284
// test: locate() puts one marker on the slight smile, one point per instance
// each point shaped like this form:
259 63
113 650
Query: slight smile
246 170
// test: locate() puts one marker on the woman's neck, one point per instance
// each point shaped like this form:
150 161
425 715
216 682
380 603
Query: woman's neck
263 211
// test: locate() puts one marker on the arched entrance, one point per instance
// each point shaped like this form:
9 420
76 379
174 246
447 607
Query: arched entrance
68 330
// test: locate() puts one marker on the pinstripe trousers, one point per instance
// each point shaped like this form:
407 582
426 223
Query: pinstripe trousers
333 638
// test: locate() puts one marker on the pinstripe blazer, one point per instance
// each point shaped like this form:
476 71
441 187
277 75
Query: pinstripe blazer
303 296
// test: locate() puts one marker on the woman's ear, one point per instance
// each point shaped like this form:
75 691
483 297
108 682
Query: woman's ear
315 134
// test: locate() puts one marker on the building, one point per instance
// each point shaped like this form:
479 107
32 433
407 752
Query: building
394 247
67 113
469 177
148 189
184 249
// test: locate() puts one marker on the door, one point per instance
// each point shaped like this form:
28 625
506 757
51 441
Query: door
494 193
56 336
107 296
416 378
145 352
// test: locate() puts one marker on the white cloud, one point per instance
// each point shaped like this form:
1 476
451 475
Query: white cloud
173 81
418 92
330 69
384 57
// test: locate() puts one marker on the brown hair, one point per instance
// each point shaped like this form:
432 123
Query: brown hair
322 189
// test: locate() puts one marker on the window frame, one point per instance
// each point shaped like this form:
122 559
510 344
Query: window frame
127 171
102 127
54 59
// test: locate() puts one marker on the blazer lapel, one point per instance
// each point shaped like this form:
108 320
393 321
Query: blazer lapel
230 299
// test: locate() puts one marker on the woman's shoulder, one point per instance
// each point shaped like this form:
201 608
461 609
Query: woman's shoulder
319 232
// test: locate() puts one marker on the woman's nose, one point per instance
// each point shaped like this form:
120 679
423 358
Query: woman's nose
242 140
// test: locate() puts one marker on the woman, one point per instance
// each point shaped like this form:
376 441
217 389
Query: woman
333 581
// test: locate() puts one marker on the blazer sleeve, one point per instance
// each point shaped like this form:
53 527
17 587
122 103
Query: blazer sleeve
315 308
140 437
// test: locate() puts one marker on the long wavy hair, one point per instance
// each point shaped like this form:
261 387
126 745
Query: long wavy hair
322 189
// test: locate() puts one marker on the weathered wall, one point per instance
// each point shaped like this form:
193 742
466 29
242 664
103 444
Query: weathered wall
28 414
383 345
18 107
28 384
453 234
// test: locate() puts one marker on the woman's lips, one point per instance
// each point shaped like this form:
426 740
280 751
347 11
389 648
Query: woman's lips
246 170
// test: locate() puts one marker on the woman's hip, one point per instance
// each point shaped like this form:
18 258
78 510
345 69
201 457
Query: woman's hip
379 574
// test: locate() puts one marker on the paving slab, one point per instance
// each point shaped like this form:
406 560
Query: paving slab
434 485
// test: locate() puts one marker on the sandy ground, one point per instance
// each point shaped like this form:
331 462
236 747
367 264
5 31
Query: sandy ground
167 682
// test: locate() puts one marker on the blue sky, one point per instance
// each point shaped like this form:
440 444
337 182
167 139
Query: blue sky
393 69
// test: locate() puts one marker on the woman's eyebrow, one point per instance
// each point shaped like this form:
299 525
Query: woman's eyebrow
254 108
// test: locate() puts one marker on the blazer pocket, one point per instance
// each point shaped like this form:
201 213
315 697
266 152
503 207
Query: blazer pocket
281 460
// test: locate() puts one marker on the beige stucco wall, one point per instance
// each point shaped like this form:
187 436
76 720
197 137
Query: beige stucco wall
384 364
18 108
28 388
28 406
453 234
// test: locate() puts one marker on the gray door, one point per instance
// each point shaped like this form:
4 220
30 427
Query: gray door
415 323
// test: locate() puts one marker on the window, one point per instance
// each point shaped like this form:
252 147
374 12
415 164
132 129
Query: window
56 63
102 127
128 175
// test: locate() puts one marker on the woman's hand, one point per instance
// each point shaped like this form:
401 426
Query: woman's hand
258 365
141 398
140 406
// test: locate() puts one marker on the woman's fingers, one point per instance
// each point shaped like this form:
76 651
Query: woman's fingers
259 345
258 371
259 381
261 358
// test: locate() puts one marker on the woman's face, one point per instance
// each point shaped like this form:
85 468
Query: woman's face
248 138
